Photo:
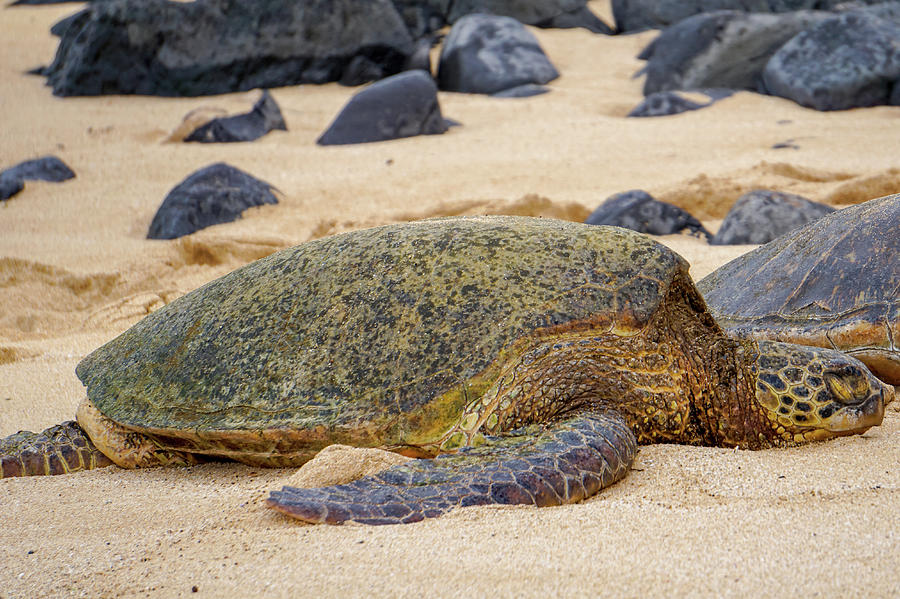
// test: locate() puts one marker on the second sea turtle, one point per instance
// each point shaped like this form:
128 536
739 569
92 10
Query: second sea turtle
832 283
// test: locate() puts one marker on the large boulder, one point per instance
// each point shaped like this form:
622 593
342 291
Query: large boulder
636 15
485 54
166 48
847 61
725 49
216 194
403 105
762 215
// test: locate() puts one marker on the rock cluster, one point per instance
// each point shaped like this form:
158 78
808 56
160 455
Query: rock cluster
819 59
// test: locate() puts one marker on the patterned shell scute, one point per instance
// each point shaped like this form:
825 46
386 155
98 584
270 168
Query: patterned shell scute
821 270
353 330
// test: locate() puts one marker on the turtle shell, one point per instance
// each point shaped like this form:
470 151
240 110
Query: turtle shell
831 283
370 337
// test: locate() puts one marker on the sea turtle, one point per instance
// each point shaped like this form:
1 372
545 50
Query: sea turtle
535 353
833 283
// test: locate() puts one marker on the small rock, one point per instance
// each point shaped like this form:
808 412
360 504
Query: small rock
216 194
761 215
639 211
264 117
673 102
522 91
403 105
48 168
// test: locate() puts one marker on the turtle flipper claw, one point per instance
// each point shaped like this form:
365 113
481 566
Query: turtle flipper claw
563 463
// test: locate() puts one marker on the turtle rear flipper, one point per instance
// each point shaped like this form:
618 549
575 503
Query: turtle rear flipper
563 463
57 450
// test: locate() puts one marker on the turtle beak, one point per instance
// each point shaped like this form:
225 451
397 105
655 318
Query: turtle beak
888 393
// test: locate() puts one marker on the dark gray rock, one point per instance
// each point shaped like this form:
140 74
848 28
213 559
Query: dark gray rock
847 61
671 102
400 106
425 16
485 54
761 215
422 17
264 117
10 186
724 49
60 27
522 91
635 15
530 12
580 18
217 46
639 211
48 168
213 195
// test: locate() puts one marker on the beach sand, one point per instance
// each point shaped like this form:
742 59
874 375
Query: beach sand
76 270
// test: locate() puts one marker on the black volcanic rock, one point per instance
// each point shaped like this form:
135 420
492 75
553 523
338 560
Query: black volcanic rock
485 54
635 15
403 105
48 168
762 215
847 61
213 195
724 49
264 117
157 47
639 211
673 102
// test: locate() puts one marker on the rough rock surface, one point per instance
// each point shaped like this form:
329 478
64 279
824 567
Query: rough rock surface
217 46
264 117
847 61
635 15
725 49
216 194
425 16
485 54
48 168
403 105
761 215
639 211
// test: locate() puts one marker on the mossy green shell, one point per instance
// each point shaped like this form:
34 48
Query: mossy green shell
365 329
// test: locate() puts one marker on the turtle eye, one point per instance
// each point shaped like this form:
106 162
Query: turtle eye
846 387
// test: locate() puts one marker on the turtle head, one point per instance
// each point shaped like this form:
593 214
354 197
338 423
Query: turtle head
811 393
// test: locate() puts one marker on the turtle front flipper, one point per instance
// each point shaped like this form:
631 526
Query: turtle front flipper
561 463
57 450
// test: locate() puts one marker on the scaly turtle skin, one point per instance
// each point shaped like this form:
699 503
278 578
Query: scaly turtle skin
529 355
832 283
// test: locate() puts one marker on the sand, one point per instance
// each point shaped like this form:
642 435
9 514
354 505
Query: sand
75 270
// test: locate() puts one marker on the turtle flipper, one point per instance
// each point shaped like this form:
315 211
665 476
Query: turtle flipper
57 450
563 463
